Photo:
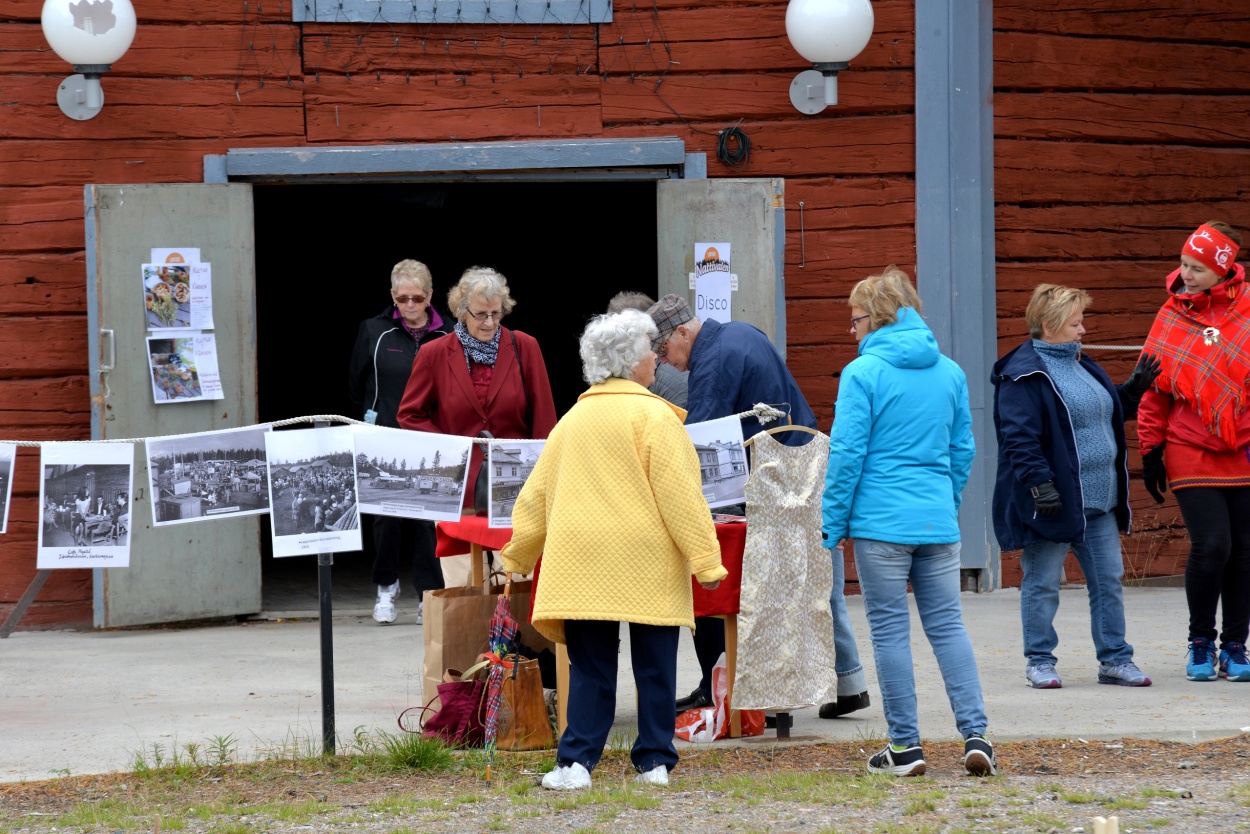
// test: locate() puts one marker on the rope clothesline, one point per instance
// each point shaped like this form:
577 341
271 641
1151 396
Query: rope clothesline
765 413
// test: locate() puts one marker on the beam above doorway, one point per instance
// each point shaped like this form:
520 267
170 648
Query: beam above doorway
644 158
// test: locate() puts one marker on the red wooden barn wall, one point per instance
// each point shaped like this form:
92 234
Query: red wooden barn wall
242 74
1119 126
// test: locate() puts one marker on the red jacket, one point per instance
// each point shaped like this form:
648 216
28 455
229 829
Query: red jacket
440 396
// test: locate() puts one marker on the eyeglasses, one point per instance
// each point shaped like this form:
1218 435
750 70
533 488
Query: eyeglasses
662 350
494 314
857 319
410 299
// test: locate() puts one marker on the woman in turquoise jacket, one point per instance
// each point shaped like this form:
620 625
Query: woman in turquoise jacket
900 453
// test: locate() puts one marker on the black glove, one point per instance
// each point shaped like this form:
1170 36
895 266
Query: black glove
1142 378
1154 473
1046 500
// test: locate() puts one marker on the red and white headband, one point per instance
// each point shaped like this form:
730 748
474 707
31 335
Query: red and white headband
1212 248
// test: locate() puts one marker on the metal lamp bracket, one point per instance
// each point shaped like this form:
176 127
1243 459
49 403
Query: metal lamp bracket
80 96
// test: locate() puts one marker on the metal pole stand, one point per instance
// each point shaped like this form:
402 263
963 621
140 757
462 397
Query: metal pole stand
324 562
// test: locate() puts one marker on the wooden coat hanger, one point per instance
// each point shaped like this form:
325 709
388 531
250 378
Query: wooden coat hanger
778 430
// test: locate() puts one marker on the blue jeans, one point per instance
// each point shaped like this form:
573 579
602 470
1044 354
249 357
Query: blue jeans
851 677
1100 559
933 570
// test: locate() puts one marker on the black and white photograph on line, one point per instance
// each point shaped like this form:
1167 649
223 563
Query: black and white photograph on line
411 474
511 462
209 475
722 460
8 453
85 490
312 491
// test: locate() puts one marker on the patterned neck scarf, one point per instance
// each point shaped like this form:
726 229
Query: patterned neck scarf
1206 362
483 353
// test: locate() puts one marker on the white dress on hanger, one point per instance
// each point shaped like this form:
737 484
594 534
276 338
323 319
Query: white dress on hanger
785 628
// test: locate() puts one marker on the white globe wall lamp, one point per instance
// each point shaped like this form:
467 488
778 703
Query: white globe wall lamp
90 35
829 33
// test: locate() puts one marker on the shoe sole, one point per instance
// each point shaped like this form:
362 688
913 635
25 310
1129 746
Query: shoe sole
1047 685
913 769
979 764
1244 677
1120 682
1203 678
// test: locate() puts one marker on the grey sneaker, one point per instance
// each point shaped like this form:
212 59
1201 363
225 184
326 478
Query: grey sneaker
1043 676
1125 674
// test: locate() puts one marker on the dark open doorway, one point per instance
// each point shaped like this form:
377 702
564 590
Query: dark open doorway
323 259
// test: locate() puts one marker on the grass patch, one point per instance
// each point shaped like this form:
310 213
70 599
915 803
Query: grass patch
412 752
923 802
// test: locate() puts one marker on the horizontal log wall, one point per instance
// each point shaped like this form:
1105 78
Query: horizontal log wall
243 75
1119 126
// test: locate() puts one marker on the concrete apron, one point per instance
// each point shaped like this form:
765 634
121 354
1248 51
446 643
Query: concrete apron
74 702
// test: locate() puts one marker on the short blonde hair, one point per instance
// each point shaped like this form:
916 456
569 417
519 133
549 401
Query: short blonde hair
479 282
1051 306
412 272
883 294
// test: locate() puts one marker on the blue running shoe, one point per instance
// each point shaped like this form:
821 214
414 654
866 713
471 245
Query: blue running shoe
1233 663
1201 666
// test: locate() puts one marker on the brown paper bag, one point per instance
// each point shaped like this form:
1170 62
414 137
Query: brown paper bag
456 627
523 722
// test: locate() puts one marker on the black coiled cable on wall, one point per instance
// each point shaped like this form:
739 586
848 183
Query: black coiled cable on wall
733 147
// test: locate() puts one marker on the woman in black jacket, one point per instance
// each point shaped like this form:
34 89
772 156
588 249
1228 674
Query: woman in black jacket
386 347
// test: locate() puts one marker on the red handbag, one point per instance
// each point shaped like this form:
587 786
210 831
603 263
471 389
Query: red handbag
460 722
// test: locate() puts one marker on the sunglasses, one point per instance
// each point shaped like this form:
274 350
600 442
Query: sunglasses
410 299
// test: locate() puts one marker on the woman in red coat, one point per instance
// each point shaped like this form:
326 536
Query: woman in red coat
483 377
1194 430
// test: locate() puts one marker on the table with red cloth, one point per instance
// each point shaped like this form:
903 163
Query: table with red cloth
472 534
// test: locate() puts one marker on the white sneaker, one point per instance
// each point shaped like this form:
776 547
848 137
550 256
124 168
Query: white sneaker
657 775
384 609
420 612
572 777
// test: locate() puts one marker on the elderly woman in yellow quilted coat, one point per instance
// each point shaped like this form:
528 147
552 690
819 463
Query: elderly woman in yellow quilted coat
616 507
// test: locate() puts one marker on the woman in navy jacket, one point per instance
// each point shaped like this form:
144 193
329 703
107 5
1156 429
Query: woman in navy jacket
1063 480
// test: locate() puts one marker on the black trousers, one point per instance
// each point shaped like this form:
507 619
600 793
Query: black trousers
1218 571
393 539
709 645
593 647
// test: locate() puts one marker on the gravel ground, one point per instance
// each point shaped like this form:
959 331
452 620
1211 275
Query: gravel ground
1042 786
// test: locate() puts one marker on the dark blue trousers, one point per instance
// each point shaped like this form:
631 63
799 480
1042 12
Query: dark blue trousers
593 647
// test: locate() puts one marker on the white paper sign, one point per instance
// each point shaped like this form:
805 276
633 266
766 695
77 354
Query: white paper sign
183 367
8 453
312 490
712 293
411 474
202 296
84 500
722 460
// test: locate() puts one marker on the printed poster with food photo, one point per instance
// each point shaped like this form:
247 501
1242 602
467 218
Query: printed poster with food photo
84 493
184 367
201 298
167 296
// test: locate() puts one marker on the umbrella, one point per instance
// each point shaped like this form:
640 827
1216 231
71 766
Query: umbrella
504 630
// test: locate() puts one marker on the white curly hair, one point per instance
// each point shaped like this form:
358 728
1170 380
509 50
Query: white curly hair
614 343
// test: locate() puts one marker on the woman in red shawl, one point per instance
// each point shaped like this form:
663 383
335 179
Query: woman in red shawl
1194 429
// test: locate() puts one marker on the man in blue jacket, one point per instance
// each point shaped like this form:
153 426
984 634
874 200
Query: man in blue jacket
732 367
